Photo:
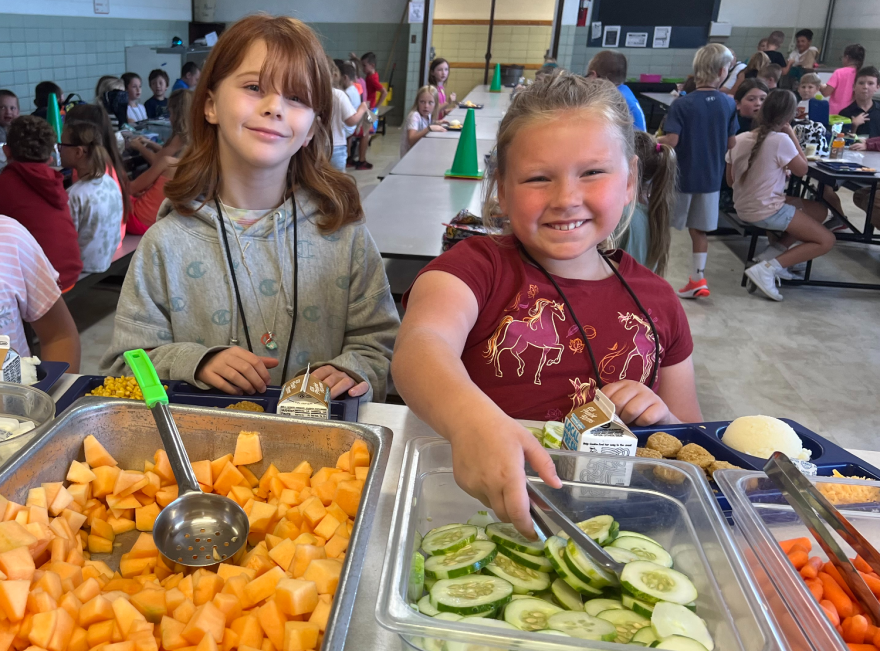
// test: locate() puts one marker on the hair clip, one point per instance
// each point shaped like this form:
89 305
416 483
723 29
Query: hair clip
658 147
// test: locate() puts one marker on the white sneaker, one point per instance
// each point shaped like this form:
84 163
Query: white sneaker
763 275
771 252
787 274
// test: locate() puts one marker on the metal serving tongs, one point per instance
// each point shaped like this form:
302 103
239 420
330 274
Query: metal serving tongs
812 507
542 509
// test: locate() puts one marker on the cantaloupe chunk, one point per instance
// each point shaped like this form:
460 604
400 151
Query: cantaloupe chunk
13 535
103 529
97 609
251 479
98 545
325 573
247 449
321 614
361 472
62 500
336 546
87 590
150 604
120 504
249 631
202 470
64 627
272 621
313 511
144 547
42 628
360 454
146 516
17 564
283 553
300 636
78 641
263 586
100 633
105 480
327 527
162 467
343 462
229 605
205 587
185 611
226 571
80 473
226 479
348 496
129 481
96 454
230 640
13 598
207 644
74 520
296 597
153 486
126 615
217 465
294 480
303 557
206 620
170 631
119 646
167 495
37 497
132 567
173 597
261 516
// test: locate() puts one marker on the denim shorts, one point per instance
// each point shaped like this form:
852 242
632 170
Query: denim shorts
778 221
340 154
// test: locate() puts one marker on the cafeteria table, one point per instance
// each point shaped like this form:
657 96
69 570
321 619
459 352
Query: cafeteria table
481 95
432 157
364 632
486 127
664 100
405 214
485 112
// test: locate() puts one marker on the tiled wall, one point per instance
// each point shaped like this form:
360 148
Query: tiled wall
414 59
340 39
840 38
73 52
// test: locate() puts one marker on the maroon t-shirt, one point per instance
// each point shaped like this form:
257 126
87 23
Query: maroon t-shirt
525 351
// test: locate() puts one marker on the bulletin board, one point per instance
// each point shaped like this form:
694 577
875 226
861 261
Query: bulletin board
689 19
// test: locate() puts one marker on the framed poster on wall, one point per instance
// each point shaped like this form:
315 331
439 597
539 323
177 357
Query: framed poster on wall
611 36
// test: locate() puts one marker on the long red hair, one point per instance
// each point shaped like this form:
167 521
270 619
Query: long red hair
296 63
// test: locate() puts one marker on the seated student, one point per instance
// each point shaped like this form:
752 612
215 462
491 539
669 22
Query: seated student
804 57
29 293
749 97
611 65
756 169
136 111
839 89
9 110
770 75
95 199
438 77
148 189
520 326
190 74
418 120
32 193
758 61
774 42
646 237
865 110
41 97
157 105
812 106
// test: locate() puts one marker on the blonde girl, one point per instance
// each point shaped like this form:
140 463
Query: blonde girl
95 200
758 61
260 263
419 120
528 324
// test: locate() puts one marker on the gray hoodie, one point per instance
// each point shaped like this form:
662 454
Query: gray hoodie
178 300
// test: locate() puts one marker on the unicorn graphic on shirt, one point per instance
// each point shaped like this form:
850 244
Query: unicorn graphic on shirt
538 329
643 344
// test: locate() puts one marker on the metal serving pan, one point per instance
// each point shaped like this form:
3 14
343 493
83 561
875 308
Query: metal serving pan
129 433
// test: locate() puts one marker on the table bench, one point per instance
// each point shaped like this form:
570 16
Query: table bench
118 267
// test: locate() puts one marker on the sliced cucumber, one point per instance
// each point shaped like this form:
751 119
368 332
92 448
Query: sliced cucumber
645 635
602 528
595 606
529 614
537 563
494 623
470 595
506 535
426 608
416 578
672 619
567 596
417 541
637 605
626 622
621 555
585 569
554 551
448 617
644 549
552 434
680 643
448 539
633 534
521 578
582 626
429 583
467 560
481 519
537 432
652 583
481 534
692 606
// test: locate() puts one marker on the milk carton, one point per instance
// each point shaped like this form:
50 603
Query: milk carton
10 362
305 397
595 428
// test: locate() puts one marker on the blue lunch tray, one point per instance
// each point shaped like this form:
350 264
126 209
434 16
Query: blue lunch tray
48 373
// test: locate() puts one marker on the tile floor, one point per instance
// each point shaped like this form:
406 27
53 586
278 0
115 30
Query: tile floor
814 358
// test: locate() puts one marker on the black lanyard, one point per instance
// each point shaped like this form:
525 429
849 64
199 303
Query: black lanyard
280 288
599 382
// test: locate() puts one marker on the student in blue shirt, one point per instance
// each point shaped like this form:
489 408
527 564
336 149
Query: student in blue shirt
189 77
701 126
611 65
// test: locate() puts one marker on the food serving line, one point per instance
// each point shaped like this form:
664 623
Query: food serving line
409 435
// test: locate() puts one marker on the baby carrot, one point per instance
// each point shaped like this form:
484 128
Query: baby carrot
815 586
872 631
809 572
860 647
830 611
876 639
786 545
862 565
798 558
831 571
873 584
816 562
835 594
854 629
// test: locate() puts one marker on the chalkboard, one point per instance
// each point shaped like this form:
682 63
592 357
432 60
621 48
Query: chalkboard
678 13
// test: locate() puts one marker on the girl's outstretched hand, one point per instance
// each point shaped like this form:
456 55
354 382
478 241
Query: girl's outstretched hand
489 464
236 370
339 382
637 404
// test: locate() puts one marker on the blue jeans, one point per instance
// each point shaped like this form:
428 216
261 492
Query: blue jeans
339 156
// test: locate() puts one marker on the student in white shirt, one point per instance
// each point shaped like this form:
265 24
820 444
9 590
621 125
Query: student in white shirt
418 121
343 119
136 111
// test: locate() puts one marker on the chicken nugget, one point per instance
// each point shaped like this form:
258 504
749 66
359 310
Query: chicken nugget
668 474
648 453
720 465
664 443
695 454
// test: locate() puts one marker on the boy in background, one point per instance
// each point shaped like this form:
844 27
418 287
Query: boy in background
865 110
612 66
374 87
774 41
811 107
804 57
701 127
41 97
157 105
770 75
9 110
189 76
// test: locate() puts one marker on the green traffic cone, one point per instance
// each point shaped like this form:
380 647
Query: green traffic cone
53 115
496 80
466 165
